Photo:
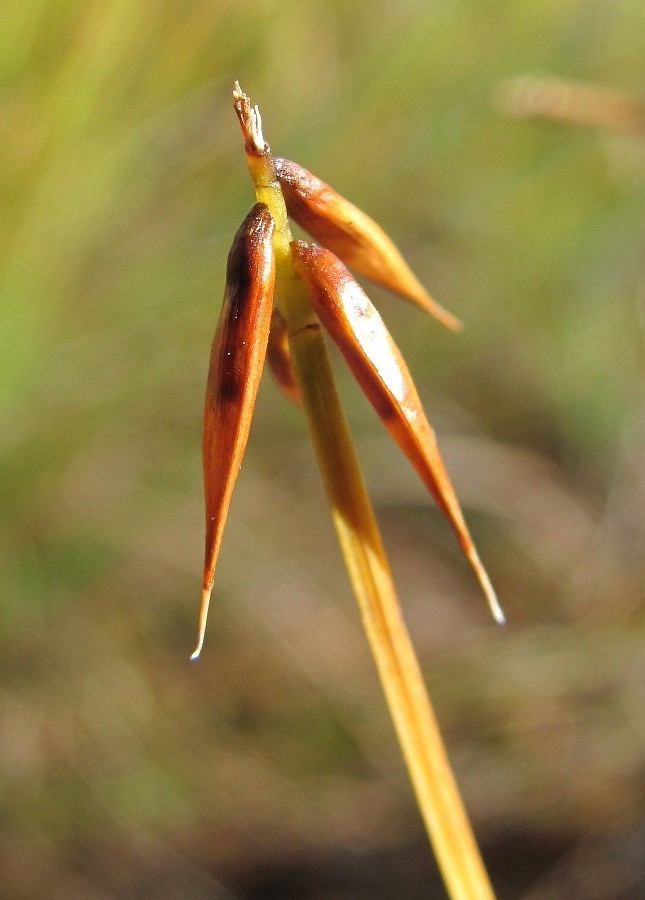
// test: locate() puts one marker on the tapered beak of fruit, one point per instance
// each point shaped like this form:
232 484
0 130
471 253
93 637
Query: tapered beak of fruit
356 327
353 236
237 360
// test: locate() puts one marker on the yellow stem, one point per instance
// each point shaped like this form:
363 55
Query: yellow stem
416 726
418 732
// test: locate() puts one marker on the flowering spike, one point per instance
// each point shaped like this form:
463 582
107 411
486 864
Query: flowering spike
355 325
262 256
353 236
250 122
237 359
279 359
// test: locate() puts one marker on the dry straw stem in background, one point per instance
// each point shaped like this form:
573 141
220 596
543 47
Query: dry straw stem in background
577 102
313 289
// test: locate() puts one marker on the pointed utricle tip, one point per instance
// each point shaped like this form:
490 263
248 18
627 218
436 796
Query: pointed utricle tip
427 303
487 586
496 609
203 616
450 321
440 313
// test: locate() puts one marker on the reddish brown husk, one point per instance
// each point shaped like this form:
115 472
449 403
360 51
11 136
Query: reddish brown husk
279 359
354 324
237 359
353 236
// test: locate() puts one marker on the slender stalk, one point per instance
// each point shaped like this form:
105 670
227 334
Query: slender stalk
418 733
436 791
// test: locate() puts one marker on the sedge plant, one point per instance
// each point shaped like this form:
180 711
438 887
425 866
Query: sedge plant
280 296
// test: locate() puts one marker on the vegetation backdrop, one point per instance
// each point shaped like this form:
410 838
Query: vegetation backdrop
269 768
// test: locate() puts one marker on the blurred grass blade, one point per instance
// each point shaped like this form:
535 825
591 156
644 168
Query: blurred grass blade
279 359
575 102
237 360
353 236
357 328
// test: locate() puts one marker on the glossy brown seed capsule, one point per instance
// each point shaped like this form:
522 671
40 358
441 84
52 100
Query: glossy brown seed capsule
237 359
279 359
354 324
353 236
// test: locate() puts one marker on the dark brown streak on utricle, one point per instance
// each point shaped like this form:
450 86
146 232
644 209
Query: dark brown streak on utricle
245 281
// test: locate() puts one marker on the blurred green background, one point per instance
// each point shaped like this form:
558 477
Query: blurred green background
269 768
